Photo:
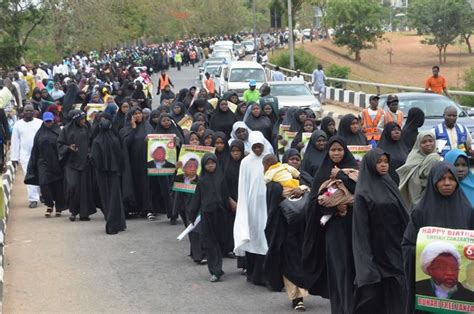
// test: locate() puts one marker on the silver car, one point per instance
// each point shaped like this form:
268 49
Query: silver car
296 94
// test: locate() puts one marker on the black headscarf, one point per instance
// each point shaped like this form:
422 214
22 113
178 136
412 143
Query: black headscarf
396 149
232 169
415 120
379 221
36 101
173 129
262 123
305 177
180 116
119 99
345 131
182 93
313 158
187 137
238 114
222 121
324 126
119 119
107 148
153 114
189 97
200 114
70 98
208 133
200 105
224 156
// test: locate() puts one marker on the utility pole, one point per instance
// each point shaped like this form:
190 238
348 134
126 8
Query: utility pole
291 43
254 27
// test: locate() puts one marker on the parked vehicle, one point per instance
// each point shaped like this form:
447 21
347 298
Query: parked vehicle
249 46
291 94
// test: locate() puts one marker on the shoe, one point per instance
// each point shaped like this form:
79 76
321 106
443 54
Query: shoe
72 217
173 221
202 262
214 278
48 213
84 219
298 305
231 255
58 214
33 204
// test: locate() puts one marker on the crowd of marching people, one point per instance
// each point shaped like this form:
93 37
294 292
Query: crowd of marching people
306 216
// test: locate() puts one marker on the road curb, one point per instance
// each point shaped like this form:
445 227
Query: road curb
8 178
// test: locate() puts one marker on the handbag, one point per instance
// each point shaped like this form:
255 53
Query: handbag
293 208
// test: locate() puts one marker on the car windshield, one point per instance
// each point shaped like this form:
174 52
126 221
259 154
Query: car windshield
290 90
221 54
247 43
237 46
433 107
247 74
212 69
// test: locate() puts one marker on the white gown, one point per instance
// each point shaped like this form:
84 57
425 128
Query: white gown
251 214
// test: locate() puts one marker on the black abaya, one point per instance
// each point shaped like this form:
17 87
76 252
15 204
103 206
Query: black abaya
260 123
109 163
313 157
379 221
415 120
77 167
222 121
327 251
44 168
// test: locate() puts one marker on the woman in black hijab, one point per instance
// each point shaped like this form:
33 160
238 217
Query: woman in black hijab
70 98
200 105
119 119
154 118
391 143
415 120
160 186
44 168
109 164
328 125
208 138
134 134
36 99
200 118
315 152
129 88
256 121
223 119
282 266
178 111
188 100
240 111
379 221
327 250
211 200
120 97
167 93
309 126
182 94
349 129
293 158
139 96
297 120
222 148
442 205
73 150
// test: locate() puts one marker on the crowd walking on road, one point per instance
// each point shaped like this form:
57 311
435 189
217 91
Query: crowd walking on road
283 194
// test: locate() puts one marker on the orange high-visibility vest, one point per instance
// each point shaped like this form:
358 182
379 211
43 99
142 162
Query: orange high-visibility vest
370 127
164 81
210 85
389 118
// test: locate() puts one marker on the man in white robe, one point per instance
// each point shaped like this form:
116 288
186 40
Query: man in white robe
23 135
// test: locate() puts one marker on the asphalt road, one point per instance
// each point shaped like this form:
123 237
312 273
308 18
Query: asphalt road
54 265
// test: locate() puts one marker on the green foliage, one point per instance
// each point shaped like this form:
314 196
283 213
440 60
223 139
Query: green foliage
337 71
468 86
441 21
357 24
304 60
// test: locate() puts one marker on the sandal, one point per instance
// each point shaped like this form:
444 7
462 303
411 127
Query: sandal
151 217
48 213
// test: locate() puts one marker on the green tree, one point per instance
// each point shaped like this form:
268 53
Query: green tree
357 24
441 22
18 19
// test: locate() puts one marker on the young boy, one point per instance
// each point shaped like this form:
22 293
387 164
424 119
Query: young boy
284 174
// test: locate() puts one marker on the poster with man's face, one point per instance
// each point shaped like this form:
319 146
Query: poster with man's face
445 270
190 167
161 155
92 110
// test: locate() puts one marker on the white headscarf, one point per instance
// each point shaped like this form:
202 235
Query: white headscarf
251 215
247 146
